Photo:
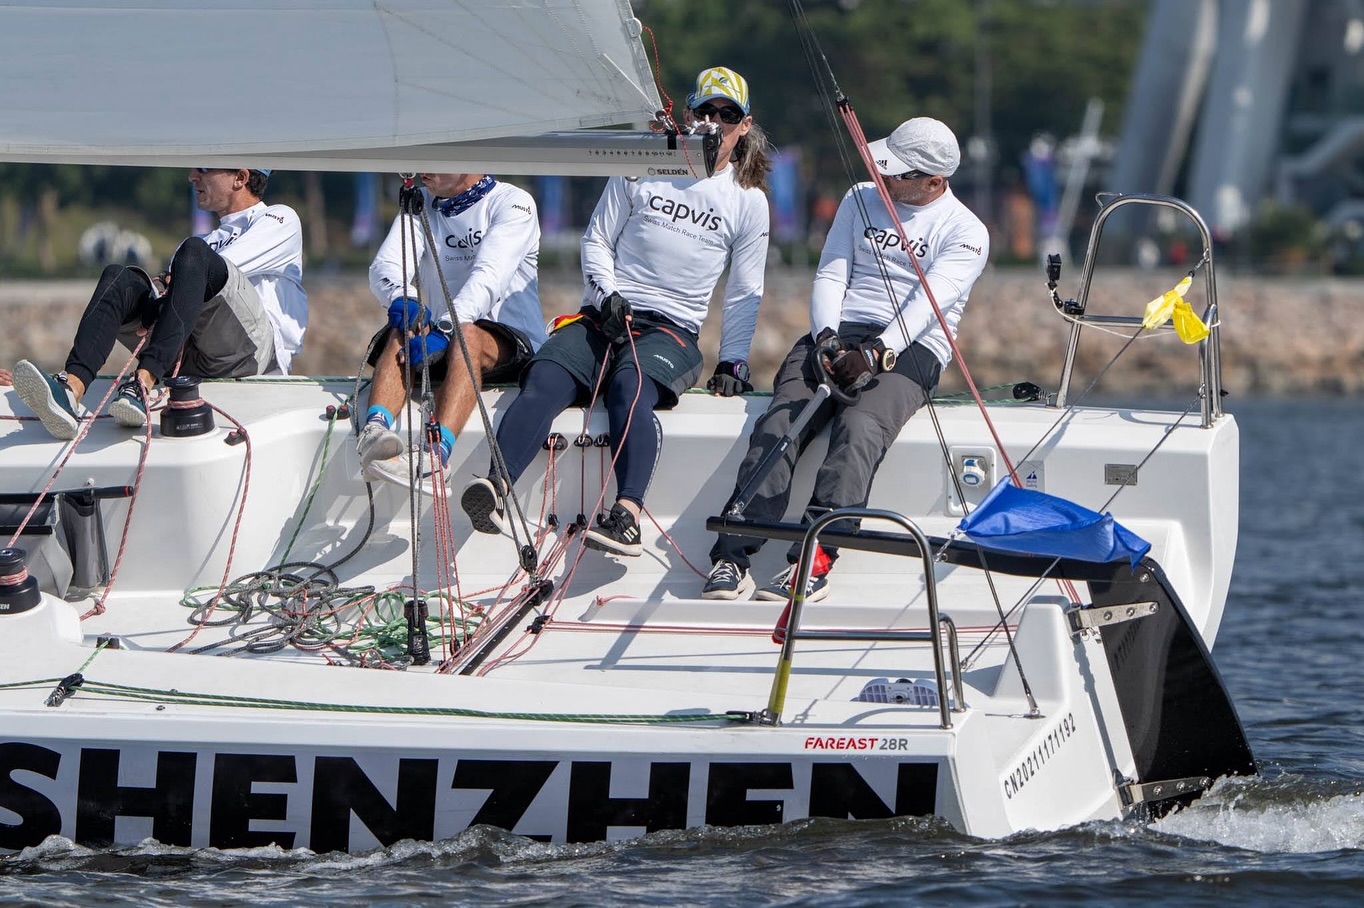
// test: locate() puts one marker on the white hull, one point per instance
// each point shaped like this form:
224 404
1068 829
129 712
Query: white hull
621 640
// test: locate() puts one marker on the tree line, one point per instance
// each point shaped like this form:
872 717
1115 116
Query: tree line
1000 71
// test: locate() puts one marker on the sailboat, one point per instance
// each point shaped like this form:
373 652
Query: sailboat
216 635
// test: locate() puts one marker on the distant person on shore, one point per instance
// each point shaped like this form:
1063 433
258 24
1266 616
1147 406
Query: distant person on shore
230 304
488 238
889 349
652 255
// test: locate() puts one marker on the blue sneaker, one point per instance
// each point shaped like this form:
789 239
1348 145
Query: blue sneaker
49 397
128 408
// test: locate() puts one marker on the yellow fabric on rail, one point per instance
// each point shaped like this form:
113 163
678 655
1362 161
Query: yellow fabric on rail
1171 304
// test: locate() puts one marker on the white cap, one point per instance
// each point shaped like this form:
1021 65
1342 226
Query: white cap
923 144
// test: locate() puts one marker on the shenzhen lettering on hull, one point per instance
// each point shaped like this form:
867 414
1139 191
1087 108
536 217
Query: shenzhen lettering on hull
333 802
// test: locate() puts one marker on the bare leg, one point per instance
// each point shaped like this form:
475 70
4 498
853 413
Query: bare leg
455 398
388 390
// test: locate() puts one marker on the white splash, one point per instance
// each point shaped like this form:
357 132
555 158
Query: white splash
1240 816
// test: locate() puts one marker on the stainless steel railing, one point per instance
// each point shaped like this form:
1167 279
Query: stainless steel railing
1210 349
941 625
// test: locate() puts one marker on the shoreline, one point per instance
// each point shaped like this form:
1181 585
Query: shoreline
1280 336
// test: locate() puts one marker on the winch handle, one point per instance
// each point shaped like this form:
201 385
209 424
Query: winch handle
823 352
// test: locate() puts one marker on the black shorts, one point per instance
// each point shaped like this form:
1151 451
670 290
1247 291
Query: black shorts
668 353
507 373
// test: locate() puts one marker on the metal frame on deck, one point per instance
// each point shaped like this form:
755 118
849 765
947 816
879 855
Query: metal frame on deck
1210 350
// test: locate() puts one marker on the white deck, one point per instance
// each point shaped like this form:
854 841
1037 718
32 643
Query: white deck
624 636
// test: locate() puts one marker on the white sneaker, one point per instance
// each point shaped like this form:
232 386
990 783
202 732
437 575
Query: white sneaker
398 471
376 443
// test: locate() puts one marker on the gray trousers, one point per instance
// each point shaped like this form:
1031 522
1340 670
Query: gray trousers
859 437
231 338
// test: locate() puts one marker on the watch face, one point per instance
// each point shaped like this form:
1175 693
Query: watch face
741 371
887 360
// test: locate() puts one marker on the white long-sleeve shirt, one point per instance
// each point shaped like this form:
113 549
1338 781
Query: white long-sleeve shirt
952 246
265 242
663 243
489 254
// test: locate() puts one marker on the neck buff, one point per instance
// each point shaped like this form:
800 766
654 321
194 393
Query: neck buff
466 199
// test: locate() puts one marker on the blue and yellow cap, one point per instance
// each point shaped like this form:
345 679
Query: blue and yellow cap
719 82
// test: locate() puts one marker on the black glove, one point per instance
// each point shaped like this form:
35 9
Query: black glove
853 369
730 379
410 200
615 312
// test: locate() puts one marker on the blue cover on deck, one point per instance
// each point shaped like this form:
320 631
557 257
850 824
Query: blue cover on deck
1026 522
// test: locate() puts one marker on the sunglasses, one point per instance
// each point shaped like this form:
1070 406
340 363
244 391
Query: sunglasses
911 175
728 114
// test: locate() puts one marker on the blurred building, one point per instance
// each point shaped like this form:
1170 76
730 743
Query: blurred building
1238 101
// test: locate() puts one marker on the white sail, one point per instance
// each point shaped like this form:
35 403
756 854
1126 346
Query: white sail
159 81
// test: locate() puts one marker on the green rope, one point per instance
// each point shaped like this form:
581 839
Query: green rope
99 648
194 699
960 397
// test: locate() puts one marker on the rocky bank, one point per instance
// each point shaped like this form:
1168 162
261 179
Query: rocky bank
1280 335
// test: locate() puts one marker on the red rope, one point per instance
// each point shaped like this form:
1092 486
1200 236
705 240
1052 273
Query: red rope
236 526
71 447
860 140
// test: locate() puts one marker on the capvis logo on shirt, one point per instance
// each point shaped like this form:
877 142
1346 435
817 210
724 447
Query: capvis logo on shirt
681 211
890 239
468 241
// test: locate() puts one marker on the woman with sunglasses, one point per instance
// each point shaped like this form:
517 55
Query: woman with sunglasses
652 254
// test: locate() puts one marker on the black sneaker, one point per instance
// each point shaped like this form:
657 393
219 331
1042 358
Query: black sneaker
779 590
486 505
727 581
128 408
617 532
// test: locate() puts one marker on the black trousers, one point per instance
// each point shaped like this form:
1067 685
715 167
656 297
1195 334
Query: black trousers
859 437
124 297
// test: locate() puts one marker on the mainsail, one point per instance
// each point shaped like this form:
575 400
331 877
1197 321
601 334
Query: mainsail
319 84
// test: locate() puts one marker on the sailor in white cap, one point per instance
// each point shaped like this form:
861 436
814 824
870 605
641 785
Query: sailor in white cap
888 348
232 298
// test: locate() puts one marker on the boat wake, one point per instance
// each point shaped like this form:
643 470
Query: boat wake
1286 815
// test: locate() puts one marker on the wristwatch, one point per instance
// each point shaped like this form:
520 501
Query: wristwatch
740 370
885 356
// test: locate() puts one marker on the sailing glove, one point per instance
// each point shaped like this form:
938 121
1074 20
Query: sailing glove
427 349
615 318
407 314
853 369
730 378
